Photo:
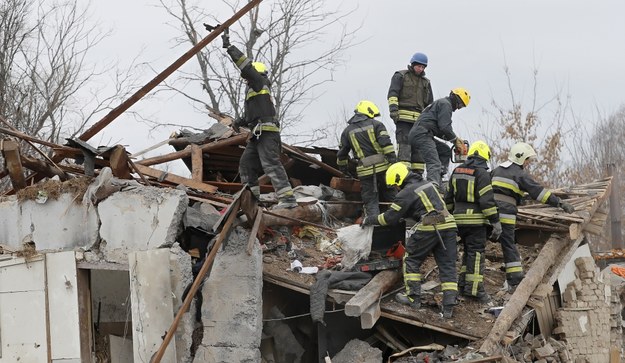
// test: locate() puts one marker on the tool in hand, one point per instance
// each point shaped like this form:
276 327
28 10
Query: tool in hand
457 156
210 28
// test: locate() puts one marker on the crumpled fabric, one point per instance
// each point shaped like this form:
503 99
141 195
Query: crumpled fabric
333 280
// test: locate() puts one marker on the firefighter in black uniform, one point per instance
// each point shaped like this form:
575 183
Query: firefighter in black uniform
434 233
410 92
435 121
510 183
372 147
470 198
262 153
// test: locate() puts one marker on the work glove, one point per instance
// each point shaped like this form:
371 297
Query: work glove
368 221
395 115
460 146
568 207
496 232
391 158
225 39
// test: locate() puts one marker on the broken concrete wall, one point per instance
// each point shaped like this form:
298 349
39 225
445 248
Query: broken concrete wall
53 224
232 307
140 219
584 320
181 277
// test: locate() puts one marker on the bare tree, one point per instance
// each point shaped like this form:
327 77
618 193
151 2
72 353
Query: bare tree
290 36
47 88
542 124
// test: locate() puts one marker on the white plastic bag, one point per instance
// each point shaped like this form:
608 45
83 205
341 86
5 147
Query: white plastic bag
355 242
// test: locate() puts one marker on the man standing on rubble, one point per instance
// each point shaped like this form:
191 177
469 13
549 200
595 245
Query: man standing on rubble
373 149
510 183
410 92
434 233
262 153
470 198
435 121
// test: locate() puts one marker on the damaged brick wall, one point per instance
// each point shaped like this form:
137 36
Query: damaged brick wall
585 319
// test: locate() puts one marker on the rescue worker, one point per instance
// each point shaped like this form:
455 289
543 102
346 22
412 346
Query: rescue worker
510 183
470 198
435 121
434 233
373 149
410 92
262 153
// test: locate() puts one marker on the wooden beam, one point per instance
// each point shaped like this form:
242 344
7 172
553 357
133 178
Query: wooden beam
349 185
371 293
197 163
44 168
314 161
119 163
176 179
370 316
98 126
11 153
308 214
238 139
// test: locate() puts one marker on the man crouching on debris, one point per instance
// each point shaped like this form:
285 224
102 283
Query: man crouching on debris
262 152
435 232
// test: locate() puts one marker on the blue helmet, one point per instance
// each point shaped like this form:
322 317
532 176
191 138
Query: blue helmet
419 58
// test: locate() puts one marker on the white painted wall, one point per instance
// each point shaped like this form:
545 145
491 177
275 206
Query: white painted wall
23 333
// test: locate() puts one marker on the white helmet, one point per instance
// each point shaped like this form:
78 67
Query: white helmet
520 152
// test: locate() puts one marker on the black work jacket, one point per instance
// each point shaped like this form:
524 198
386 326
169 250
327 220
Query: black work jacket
470 194
258 107
436 118
510 182
365 136
417 198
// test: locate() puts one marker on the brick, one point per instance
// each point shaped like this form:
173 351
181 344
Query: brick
545 351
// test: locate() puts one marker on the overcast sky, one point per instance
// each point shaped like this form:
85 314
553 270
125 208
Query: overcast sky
575 45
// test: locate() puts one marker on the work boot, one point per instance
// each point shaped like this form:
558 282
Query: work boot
448 311
410 300
483 298
286 203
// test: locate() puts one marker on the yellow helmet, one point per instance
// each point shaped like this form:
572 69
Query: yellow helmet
520 152
260 67
463 94
396 174
367 108
481 149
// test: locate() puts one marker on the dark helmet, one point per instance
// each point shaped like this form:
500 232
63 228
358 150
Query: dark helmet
419 58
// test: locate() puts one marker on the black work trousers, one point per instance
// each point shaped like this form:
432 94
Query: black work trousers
373 190
473 239
262 155
418 248
511 255
436 154
405 152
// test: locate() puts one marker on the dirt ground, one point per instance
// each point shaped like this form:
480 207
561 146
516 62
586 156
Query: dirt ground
470 317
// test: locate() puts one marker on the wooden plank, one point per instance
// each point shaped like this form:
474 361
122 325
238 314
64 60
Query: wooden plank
176 179
371 293
98 126
197 163
11 153
312 160
237 139
349 185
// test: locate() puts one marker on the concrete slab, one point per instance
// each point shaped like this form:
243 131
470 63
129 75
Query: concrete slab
56 224
152 306
139 219
120 349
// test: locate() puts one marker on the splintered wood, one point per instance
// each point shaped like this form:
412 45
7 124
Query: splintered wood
583 197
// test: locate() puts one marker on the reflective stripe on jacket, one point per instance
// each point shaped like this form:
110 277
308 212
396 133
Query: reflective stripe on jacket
258 105
366 137
417 198
409 94
512 181
470 195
